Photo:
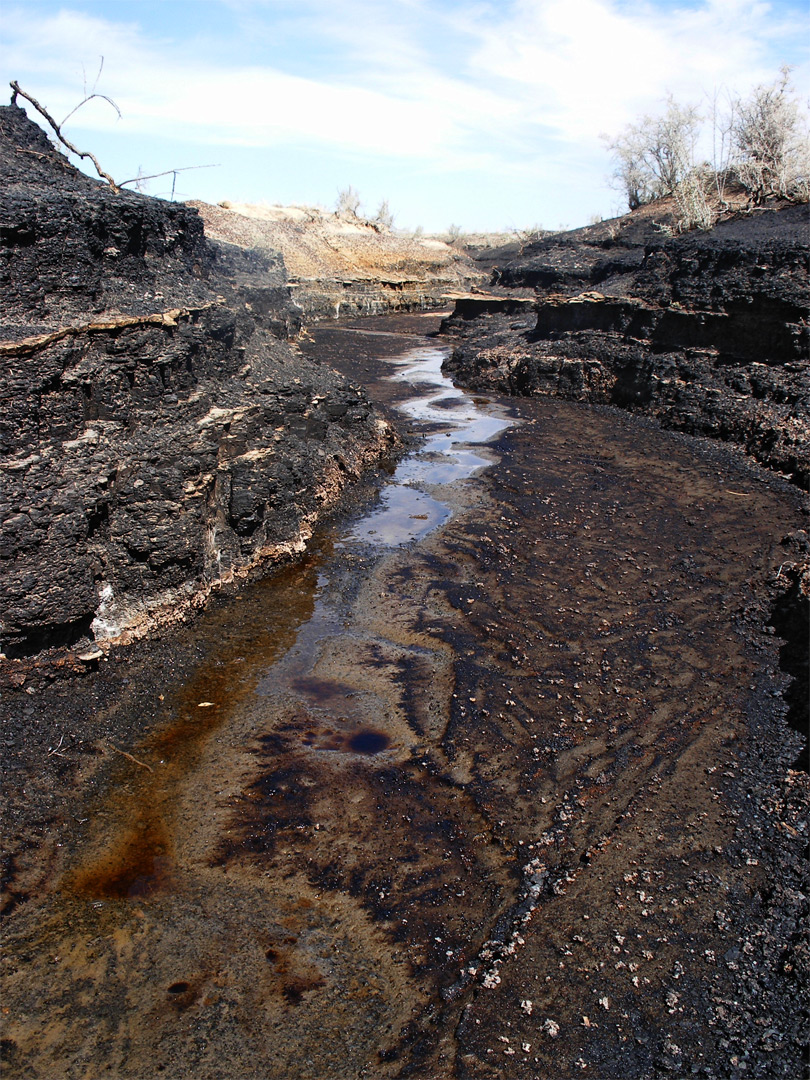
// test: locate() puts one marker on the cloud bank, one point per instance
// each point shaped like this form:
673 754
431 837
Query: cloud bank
515 93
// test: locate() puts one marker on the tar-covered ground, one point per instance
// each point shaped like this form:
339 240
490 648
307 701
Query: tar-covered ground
518 800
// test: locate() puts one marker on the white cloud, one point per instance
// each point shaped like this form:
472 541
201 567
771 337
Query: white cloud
510 92
592 65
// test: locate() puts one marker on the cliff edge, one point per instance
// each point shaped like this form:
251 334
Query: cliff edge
161 434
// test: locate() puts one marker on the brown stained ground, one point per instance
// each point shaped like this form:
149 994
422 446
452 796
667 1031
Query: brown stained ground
504 803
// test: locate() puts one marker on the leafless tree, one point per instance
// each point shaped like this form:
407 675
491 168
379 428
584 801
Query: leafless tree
384 218
654 155
348 202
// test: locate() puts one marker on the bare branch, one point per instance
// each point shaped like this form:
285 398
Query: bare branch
169 172
90 97
98 74
15 86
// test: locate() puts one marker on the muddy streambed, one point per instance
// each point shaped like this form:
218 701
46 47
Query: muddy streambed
493 783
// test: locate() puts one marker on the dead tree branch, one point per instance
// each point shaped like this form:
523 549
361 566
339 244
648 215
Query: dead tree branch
89 97
31 345
102 97
15 86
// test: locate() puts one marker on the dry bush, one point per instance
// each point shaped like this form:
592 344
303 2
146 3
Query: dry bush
654 155
348 202
384 218
769 135
759 142
696 199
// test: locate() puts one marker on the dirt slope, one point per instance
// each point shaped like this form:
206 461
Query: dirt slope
339 264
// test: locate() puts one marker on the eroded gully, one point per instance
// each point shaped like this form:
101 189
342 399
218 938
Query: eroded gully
460 794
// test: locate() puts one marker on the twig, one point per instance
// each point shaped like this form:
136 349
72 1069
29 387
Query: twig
90 97
15 86
134 760
169 172
56 749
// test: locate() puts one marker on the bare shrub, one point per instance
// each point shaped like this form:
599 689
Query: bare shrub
348 202
769 134
528 236
654 155
384 217
722 125
759 142
695 198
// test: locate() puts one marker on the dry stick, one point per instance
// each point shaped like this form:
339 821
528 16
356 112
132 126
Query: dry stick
117 322
129 757
168 172
89 97
15 86
55 750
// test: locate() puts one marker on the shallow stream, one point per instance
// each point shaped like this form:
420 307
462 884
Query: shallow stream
421 803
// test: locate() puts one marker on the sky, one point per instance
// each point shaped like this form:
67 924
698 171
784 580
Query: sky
483 115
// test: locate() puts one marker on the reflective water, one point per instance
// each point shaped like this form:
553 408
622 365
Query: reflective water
411 507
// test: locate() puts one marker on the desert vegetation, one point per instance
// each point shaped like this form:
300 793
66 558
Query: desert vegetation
349 204
759 145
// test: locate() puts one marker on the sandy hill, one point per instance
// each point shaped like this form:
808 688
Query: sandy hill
339 264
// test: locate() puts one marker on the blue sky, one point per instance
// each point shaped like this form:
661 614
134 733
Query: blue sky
481 114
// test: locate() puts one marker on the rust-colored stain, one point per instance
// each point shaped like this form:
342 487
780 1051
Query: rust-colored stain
137 865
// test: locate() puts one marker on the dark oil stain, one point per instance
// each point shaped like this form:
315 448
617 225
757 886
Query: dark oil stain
137 861
293 991
182 995
320 690
369 742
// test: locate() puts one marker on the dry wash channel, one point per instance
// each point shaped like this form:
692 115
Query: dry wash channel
512 800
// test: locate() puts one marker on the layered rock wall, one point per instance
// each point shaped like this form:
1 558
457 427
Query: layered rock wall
709 333
160 434
341 265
